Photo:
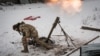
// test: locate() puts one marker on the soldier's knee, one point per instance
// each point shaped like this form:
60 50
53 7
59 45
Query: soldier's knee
24 40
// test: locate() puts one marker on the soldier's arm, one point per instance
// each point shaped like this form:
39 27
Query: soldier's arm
25 31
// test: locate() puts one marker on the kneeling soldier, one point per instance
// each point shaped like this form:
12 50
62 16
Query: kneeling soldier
29 31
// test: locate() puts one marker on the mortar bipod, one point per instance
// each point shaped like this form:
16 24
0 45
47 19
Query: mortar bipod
57 21
67 36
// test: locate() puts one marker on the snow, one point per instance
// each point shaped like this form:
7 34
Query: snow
11 40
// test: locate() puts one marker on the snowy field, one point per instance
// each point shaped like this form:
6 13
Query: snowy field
11 40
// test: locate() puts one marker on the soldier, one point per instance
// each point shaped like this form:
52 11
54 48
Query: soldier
29 31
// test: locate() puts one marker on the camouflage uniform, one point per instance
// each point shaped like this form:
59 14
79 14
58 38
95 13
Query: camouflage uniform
29 31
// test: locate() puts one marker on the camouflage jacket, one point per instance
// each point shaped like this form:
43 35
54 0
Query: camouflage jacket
28 30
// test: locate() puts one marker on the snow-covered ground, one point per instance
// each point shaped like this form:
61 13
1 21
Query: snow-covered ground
11 40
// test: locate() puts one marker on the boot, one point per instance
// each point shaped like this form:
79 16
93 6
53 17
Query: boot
25 50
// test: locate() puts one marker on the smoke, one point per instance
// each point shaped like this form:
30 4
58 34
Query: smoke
70 6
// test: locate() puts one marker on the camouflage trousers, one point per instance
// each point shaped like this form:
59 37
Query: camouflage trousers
25 44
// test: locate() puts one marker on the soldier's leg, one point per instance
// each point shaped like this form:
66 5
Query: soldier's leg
43 44
35 37
25 45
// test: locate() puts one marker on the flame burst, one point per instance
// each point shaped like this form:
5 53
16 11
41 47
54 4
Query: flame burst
67 5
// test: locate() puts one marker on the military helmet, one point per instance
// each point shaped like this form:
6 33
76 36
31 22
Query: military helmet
16 26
